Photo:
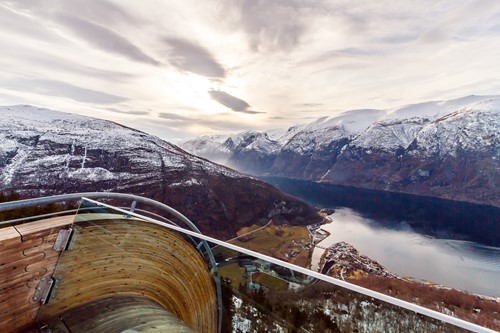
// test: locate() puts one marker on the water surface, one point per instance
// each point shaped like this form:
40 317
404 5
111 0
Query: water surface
451 243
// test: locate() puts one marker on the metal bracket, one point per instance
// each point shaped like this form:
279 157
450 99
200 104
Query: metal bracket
132 207
42 292
62 240
55 288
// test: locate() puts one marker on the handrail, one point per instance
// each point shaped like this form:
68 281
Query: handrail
5 206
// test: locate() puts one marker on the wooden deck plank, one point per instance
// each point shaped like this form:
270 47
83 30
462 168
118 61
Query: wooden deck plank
43 227
8 236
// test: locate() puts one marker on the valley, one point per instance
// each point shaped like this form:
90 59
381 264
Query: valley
264 293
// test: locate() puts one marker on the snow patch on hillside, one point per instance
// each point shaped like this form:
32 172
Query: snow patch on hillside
464 123
353 121
91 174
33 138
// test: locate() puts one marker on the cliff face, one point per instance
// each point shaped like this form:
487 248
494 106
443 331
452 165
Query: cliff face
448 149
45 152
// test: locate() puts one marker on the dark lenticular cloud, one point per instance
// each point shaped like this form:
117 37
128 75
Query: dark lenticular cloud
193 58
234 103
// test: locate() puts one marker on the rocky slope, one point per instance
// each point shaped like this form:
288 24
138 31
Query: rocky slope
343 261
449 149
45 152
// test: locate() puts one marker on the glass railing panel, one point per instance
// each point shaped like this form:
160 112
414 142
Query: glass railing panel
262 296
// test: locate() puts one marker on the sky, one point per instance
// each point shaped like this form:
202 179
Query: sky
179 69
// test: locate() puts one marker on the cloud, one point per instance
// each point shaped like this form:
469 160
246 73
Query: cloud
234 103
61 13
100 11
61 89
193 58
55 63
349 53
466 17
104 38
271 25
288 118
292 55
309 105
133 113
26 26
399 38
13 99
182 127
173 116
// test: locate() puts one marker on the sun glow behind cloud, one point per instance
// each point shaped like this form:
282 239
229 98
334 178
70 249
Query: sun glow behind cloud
190 89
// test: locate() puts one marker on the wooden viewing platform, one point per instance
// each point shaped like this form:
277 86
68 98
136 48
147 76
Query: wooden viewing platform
119 274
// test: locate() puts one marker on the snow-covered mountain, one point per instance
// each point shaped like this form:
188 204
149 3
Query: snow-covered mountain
448 149
250 151
46 152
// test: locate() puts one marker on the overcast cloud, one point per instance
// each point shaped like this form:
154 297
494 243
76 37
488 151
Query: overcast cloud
185 68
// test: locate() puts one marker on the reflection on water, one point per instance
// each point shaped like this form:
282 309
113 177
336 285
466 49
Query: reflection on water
451 243
454 263
426 215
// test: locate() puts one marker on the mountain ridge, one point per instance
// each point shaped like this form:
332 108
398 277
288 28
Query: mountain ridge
448 149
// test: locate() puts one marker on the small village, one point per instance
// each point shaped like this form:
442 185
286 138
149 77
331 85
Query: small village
340 260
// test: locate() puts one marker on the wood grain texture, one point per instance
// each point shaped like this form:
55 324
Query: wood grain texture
26 256
43 227
120 313
114 258
8 235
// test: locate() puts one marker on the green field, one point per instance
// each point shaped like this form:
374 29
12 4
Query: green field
270 281
233 272
276 241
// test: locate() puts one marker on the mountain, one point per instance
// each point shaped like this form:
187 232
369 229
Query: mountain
44 152
250 151
448 149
